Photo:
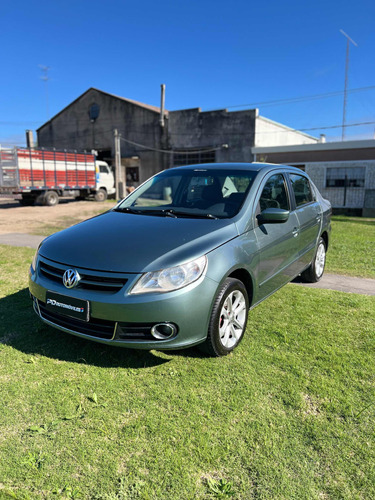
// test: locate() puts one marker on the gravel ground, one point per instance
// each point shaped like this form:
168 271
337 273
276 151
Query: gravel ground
14 218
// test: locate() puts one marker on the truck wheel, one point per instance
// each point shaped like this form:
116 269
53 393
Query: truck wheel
40 200
51 198
101 195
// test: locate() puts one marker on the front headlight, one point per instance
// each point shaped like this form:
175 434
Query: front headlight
171 278
34 261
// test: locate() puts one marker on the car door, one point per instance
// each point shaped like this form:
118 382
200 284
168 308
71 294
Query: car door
277 242
309 214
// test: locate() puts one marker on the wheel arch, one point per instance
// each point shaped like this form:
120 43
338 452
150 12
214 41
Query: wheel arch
325 237
245 277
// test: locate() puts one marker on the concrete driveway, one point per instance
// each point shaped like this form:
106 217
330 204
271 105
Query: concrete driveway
349 284
21 240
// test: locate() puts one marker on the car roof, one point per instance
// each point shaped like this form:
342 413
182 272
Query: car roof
254 167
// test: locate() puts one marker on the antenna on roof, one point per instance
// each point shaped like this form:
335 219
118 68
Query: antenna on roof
348 39
162 104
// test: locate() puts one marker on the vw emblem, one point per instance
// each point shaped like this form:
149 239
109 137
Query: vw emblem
71 278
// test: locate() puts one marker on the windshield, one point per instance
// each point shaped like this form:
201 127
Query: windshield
191 193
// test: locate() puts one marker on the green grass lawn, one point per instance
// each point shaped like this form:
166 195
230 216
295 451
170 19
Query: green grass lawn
289 415
352 247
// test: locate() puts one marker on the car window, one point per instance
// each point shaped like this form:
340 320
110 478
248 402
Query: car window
160 192
274 194
103 169
302 189
220 193
201 184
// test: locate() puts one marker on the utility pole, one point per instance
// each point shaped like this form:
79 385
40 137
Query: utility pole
117 163
120 183
348 39
45 78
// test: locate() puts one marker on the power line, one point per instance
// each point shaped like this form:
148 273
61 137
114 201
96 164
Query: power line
168 151
315 128
339 126
296 99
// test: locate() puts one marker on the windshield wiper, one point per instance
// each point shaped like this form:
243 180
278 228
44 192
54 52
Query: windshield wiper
177 213
165 212
161 212
128 210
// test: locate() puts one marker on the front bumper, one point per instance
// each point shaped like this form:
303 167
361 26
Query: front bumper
126 320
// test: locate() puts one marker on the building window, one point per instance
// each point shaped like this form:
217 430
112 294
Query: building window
94 111
132 174
345 177
191 157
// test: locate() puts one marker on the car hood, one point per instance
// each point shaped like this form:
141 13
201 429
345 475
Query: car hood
130 243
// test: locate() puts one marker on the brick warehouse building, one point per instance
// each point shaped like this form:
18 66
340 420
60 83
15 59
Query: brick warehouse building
153 140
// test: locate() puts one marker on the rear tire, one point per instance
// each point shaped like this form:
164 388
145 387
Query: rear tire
101 195
315 271
51 198
228 319
39 200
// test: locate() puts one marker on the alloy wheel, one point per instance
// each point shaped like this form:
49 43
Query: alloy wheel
232 319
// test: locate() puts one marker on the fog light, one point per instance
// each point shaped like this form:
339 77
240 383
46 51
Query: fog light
163 331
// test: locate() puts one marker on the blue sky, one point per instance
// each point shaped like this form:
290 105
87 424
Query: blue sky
210 54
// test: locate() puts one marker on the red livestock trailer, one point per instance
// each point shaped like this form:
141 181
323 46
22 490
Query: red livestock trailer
45 175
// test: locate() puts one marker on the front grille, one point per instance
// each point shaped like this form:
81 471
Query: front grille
88 281
95 327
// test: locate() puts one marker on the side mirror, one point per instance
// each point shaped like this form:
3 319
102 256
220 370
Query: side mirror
273 215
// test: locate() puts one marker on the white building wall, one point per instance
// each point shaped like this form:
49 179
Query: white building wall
270 133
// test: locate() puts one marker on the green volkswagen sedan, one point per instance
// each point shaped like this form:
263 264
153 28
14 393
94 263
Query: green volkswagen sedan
182 260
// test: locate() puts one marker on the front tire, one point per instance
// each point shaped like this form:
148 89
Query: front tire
51 198
315 271
228 318
101 195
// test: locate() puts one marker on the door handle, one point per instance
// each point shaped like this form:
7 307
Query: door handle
295 232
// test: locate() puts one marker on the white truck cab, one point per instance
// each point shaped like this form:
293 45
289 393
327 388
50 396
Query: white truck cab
105 181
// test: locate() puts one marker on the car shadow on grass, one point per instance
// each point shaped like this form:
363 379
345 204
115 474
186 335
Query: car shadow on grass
24 331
